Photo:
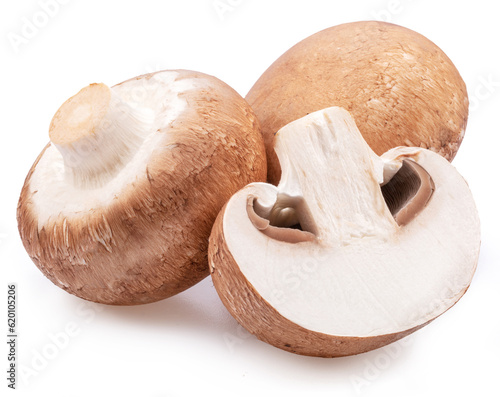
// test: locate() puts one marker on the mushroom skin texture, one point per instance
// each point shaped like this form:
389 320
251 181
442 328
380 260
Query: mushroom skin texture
389 243
401 88
118 207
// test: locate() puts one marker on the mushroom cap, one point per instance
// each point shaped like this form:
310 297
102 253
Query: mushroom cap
143 235
401 88
364 280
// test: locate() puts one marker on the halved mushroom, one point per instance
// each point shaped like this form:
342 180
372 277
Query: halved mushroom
119 206
350 251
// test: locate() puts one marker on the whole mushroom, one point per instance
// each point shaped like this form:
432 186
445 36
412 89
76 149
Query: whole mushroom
401 88
118 207
351 251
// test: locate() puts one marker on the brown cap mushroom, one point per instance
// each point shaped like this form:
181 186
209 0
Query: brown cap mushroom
350 251
401 89
119 205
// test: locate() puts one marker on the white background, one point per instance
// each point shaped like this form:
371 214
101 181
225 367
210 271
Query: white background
189 344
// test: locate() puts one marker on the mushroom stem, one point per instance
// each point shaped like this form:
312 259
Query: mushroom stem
342 192
97 133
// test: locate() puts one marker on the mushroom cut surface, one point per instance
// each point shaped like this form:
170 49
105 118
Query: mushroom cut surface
351 251
119 205
399 86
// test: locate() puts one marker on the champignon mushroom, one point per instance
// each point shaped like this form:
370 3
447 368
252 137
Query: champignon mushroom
119 205
350 251
401 88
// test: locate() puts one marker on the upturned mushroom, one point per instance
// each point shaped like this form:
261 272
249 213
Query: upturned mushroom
351 251
401 88
118 207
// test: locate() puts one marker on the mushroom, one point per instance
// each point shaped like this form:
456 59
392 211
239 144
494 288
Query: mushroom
350 251
401 88
118 207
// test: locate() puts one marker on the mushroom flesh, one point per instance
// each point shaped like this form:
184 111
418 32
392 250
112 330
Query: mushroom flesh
351 251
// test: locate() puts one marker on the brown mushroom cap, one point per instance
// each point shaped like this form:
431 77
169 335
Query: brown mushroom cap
149 241
401 88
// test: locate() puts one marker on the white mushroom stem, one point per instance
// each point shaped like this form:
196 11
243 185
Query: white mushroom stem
97 133
342 191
